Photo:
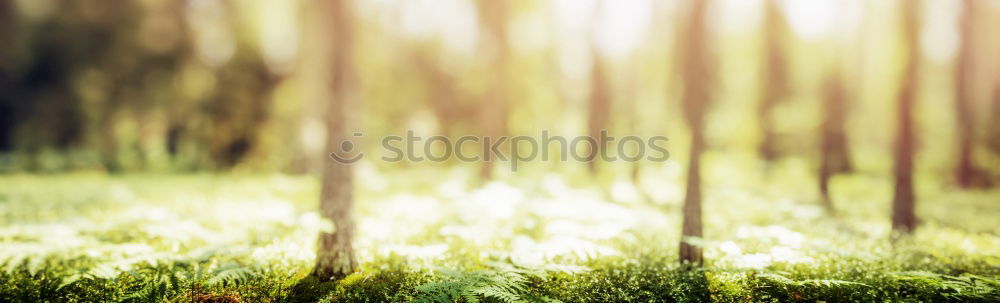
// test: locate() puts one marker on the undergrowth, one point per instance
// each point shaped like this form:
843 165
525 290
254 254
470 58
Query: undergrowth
249 239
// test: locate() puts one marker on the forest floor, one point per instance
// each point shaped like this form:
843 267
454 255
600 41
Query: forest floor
250 238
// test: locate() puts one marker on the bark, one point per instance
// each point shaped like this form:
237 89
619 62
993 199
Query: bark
493 20
993 139
697 71
775 78
692 228
7 103
599 107
833 137
967 175
903 218
335 255
632 106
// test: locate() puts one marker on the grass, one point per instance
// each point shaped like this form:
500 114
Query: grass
544 238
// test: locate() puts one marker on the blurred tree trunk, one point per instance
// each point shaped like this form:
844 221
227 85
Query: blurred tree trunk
775 77
833 137
903 218
698 73
493 20
967 175
8 23
599 100
442 96
335 254
599 107
631 99
108 137
841 86
993 138
7 105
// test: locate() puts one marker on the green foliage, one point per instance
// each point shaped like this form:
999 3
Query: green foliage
771 287
502 283
648 280
392 282
964 288
249 239
232 274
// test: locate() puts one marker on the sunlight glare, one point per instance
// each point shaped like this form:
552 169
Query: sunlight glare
573 20
780 234
425 252
625 191
736 16
621 26
939 34
214 40
279 34
731 248
453 21
526 34
811 19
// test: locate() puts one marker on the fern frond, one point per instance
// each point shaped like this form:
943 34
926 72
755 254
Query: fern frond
233 274
504 282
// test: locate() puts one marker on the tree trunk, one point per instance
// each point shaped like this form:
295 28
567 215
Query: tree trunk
967 175
903 218
108 144
599 107
630 98
833 138
775 78
993 138
696 97
493 20
8 114
691 252
335 255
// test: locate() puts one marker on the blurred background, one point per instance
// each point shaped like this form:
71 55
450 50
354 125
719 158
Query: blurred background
217 85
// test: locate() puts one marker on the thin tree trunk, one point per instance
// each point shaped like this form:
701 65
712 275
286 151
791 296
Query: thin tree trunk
493 19
599 103
108 144
335 254
841 86
8 110
696 97
691 252
775 78
632 108
599 107
993 138
903 218
833 138
967 175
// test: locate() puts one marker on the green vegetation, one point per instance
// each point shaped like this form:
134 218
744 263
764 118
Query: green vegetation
183 151
224 238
